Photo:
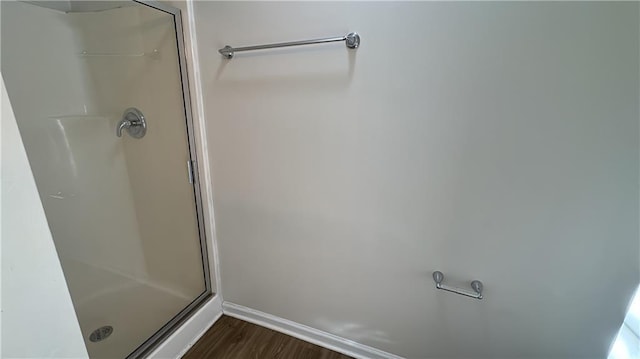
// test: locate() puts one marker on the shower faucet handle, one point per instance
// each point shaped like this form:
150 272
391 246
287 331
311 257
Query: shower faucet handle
134 122
124 123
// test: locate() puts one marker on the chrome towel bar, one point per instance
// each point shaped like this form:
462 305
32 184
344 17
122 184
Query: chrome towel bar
476 285
352 40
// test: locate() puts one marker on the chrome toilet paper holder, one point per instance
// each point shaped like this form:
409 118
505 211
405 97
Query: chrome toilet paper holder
476 285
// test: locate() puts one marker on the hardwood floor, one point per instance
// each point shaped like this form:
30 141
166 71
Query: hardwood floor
231 338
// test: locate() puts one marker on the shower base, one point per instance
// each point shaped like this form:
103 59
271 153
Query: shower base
134 309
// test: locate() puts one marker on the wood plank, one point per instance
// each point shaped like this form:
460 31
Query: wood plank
231 338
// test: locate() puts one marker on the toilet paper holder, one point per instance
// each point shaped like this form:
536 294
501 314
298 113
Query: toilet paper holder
476 285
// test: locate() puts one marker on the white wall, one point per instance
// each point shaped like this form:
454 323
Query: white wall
496 141
37 316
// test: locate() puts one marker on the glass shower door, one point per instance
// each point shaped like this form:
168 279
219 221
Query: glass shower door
102 105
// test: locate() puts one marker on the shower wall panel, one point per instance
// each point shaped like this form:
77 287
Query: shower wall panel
148 79
69 137
121 210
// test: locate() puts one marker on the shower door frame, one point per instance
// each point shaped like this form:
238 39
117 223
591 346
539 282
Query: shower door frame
166 330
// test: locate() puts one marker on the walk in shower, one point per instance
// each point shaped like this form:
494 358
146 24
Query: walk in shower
100 93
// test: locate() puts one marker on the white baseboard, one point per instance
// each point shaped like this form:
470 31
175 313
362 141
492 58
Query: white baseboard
308 334
188 334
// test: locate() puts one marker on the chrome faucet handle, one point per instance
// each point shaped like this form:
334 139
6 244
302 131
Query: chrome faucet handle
134 122
124 123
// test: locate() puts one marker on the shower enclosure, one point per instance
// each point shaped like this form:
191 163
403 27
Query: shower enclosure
100 93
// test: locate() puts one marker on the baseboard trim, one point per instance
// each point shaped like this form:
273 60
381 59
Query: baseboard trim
177 344
311 335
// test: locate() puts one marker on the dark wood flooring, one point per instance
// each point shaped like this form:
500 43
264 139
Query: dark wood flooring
231 338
